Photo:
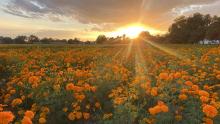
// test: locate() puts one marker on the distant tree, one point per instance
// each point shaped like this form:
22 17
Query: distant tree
46 40
20 40
74 41
6 40
101 39
213 31
189 30
145 35
33 39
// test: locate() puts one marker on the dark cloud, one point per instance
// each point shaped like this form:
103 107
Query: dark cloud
155 13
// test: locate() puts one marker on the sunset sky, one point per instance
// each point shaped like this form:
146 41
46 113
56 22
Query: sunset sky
86 19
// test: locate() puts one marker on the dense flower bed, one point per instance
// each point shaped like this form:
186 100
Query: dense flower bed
110 84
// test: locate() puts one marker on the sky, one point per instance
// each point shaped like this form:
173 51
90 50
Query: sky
86 19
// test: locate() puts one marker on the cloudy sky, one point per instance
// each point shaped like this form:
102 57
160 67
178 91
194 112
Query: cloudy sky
86 19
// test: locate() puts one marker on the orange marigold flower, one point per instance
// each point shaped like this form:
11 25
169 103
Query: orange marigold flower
71 116
203 93
208 121
34 79
16 101
218 76
118 101
206 87
77 89
12 91
70 86
65 109
154 91
184 90
79 97
177 75
42 120
164 108
97 105
45 109
195 87
188 83
182 97
6 117
78 115
29 114
204 99
93 89
86 115
210 111
164 76
161 107
154 110
26 120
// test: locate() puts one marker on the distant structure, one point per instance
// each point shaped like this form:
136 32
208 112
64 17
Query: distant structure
205 41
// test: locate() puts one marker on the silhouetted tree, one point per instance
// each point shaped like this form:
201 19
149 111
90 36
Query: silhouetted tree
46 40
33 39
20 40
74 41
189 30
145 35
213 31
101 39
6 40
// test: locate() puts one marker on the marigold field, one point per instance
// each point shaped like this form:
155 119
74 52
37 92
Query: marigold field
110 84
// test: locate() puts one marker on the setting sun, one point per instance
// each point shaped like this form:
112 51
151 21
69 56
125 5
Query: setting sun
132 31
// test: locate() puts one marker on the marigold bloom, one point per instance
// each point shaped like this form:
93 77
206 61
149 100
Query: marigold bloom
208 121
16 101
12 91
203 93
29 114
182 97
195 87
79 97
97 105
65 109
164 76
210 111
34 79
177 75
71 116
204 99
69 86
6 117
42 120
86 115
45 109
93 89
26 120
118 101
78 115
184 90
160 107
77 89
154 91
164 108
188 83
206 87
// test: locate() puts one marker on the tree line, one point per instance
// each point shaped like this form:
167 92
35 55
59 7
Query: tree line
191 30
32 39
